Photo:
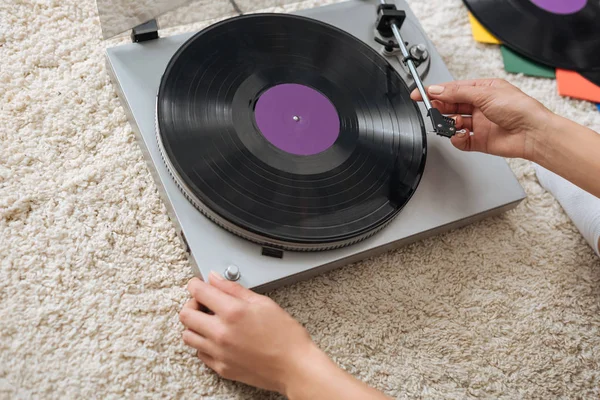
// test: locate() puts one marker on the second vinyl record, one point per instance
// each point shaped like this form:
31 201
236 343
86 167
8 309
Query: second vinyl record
593 77
558 33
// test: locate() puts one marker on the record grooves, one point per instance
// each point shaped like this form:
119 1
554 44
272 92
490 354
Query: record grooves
289 132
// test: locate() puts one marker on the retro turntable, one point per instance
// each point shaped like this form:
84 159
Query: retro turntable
287 145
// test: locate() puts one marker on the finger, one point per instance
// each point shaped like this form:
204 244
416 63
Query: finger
416 95
486 82
232 288
472 141
447 108
458 121
217 366
463 122
489 82
452 108
192 304
197 341
210 296
461 140
469 141
206 359
198 321
474 95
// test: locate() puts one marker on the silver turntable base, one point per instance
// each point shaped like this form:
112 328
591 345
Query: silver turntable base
457 188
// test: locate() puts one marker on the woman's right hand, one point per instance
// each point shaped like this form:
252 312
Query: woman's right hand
503 120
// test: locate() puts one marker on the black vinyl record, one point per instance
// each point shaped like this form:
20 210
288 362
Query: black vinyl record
560 33
593 77
289 132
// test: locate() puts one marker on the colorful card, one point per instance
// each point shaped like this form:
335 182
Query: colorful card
518 64
481 34
572 84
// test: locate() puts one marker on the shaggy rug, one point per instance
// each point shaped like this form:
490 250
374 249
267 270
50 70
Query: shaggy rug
92 274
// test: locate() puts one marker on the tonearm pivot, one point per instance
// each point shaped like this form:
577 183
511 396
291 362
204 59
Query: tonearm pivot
389 21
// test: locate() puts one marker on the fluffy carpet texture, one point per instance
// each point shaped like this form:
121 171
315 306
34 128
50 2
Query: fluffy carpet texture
92 274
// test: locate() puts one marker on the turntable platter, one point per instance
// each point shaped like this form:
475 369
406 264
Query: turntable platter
289 132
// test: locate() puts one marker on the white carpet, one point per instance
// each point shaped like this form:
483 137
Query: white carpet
92 275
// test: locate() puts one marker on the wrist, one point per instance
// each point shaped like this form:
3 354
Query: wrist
539 141
304 372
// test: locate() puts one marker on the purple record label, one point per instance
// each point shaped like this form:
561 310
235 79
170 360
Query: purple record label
297 119
560 6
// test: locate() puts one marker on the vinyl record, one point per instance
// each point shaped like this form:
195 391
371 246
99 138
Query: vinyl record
593 77
559 33
289 132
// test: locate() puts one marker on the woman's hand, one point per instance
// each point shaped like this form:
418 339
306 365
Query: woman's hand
503 120
247 337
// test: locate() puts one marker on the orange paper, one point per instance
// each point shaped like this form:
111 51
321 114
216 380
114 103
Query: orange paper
572 84
481 34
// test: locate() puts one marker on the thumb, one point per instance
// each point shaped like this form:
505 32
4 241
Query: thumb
461 140
471 141
232 288
461 94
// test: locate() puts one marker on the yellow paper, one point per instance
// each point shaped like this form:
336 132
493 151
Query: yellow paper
481 34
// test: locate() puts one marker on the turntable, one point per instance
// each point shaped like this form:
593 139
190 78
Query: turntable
285 145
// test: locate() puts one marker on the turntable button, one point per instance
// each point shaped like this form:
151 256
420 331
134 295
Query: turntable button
232 273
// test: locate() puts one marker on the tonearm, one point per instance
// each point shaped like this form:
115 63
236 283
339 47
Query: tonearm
389 22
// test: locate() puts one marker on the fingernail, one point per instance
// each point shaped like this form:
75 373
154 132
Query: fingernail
216 276
462 133
435 89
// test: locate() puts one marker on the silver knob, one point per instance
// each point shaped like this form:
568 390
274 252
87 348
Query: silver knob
232 273
419 52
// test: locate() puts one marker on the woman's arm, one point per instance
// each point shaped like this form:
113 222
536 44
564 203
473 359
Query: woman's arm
248 338
500 119
319 378
571 151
